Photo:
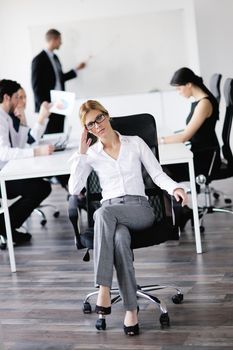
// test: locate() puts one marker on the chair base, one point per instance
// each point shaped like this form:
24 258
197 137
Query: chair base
40 212
208 208
217 193
142 292
211 210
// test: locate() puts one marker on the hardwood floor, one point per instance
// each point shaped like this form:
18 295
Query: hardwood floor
41 304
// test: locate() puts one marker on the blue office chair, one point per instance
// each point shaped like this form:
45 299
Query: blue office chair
162 230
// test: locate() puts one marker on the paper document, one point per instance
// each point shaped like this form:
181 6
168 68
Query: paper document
62 102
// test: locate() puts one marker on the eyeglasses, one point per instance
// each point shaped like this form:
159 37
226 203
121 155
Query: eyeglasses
99 119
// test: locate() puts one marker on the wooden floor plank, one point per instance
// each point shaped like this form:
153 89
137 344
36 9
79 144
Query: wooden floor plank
41 304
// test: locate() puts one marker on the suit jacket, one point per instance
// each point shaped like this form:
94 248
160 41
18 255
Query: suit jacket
43 78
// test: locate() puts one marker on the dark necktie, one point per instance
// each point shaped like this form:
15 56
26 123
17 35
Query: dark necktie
58 66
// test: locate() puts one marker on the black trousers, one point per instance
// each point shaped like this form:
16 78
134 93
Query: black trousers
202 161
32 192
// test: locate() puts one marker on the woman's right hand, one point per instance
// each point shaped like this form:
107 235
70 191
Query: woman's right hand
84 142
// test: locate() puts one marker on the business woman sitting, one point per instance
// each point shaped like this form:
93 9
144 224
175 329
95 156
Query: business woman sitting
117 160
199 130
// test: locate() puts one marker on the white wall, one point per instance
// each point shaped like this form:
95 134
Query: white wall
214 34
159 104
214 25
17 17
122 56
208 24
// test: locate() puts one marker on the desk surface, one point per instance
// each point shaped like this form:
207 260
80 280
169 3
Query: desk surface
174 153
52 165
57 163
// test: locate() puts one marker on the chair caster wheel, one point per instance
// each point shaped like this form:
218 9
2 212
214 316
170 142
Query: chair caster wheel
3 246
202 229
43 222
3 243
227 200
101 324
87 308
178 298
56 214
164 320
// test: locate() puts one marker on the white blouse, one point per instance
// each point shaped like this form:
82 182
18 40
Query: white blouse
12 142
122 176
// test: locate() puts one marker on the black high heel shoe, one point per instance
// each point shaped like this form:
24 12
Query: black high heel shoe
101 310
131 330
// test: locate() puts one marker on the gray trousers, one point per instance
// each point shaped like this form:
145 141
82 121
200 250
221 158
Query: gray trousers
112 242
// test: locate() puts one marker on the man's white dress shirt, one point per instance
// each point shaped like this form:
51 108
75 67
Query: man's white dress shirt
122 176
12 142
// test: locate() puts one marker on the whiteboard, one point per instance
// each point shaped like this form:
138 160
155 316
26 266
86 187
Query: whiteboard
125 55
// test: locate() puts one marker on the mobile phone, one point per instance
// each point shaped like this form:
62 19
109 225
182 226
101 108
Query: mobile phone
92 137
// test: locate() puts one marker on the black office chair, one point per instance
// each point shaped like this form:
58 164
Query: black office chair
214 85
226 150
162 230
226 168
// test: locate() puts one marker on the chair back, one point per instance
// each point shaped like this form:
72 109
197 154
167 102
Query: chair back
142 125
214 85
226 131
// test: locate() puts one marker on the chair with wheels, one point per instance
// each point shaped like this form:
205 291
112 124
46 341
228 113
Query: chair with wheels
226 168
162 230
215 82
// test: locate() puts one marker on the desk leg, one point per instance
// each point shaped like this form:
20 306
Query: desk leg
195 207
8 226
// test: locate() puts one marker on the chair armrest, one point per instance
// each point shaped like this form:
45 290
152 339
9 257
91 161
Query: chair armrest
74 218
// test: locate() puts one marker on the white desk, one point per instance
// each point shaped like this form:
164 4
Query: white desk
57 164
179 153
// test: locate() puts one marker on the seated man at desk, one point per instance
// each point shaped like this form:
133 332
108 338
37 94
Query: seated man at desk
12 146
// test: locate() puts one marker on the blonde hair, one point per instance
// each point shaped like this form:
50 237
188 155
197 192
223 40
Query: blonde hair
88 106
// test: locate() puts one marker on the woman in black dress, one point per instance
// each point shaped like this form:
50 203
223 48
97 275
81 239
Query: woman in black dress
199 130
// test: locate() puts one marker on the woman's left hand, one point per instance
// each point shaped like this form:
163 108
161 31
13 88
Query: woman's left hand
180 194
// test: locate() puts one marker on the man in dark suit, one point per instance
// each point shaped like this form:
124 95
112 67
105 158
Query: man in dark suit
47 75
